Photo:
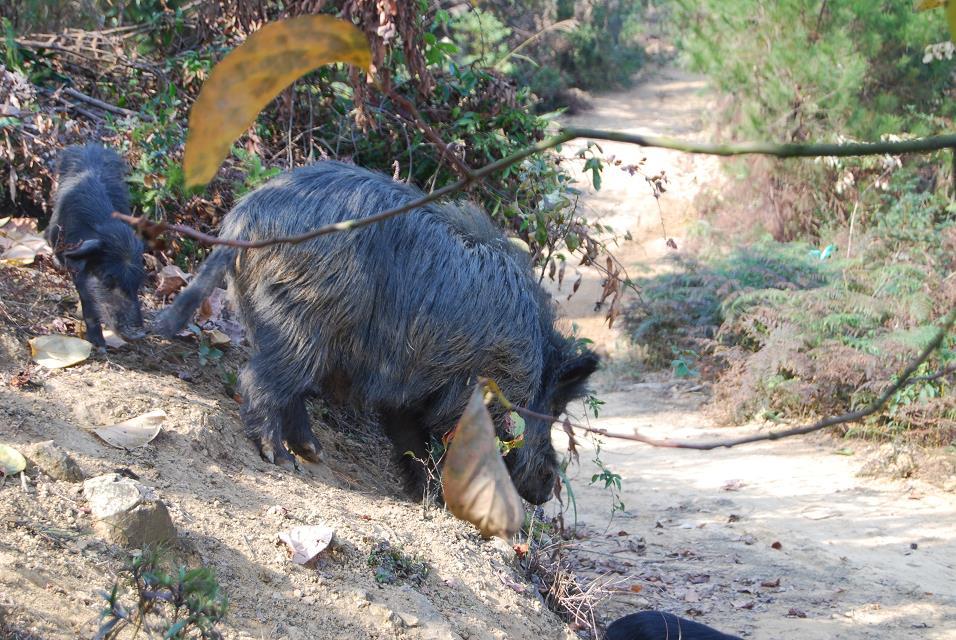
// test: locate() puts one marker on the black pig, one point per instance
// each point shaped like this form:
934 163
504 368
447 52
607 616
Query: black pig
399 317
102 254
657 625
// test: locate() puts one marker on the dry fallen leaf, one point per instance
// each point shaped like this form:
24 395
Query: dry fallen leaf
55 351
113 339
133 433
305 543
20 243
170 279
476 484
216 337
12 461
253 74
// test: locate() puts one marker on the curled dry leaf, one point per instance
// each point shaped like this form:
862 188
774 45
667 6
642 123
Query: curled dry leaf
20 243
476 484
254 73
56 351
133 433
307 542
170 279
216 337
12 461
572 442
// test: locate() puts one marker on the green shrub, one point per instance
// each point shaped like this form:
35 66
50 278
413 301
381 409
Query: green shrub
798 334
163 601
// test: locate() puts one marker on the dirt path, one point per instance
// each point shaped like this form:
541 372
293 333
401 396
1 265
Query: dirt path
857 557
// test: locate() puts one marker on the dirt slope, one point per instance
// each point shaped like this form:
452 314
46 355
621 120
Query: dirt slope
858 558
227 505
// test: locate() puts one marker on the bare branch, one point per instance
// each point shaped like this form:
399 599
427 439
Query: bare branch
150 228
809 150
932 143
904 378
105 106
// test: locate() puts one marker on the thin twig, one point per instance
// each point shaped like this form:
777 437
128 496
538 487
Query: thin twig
942 373
105 106
148 227
905 378
932 143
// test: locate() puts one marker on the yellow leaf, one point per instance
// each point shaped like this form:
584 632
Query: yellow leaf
11 461
57 351
476 484
254 73
951 18
925 5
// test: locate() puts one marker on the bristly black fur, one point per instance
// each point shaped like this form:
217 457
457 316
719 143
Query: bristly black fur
400 317
657 625
103 254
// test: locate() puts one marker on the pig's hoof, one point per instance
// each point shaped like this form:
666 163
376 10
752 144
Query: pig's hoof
309 449
277 454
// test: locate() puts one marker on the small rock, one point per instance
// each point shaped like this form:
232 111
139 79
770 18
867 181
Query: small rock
502 548
409 619
126 512
54 461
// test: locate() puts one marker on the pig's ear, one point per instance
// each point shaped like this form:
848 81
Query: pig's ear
574 372
85 250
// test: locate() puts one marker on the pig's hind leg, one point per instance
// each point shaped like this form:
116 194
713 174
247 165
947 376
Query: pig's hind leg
298 430
273 410
410 440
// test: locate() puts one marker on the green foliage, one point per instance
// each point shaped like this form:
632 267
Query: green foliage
394 566
254 172
837 66
835 70
172 603
482 115
806 330
611 481
208 354
686 306
593 404
597 50
481 38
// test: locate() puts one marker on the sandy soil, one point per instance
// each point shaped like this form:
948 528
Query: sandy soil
857 558
227 504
